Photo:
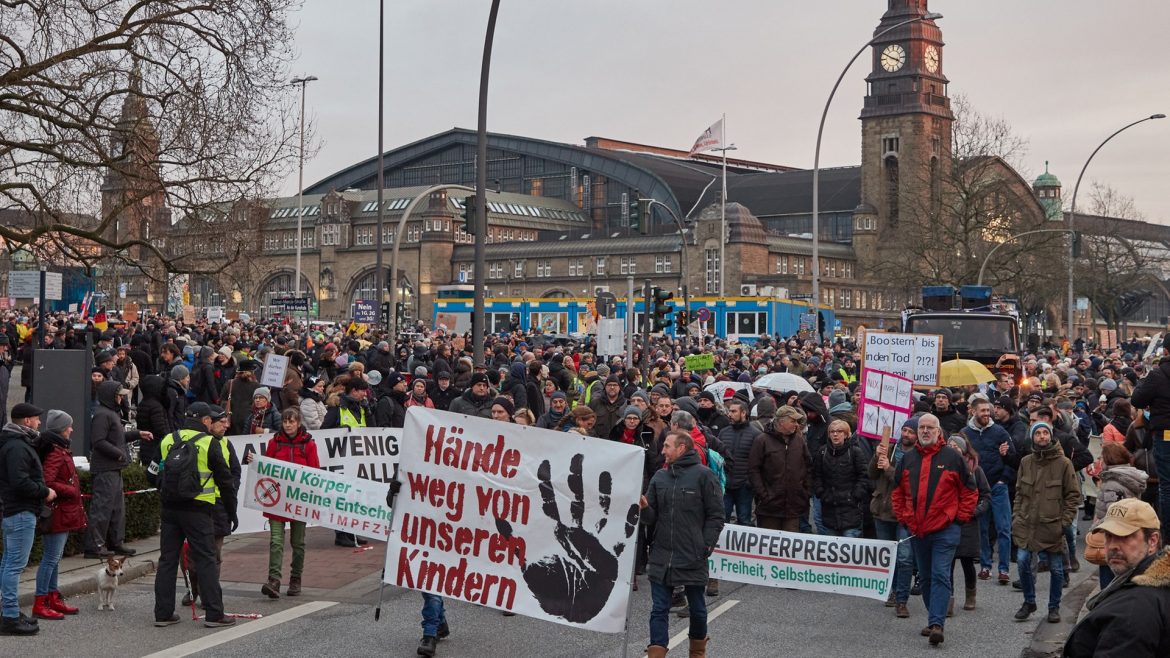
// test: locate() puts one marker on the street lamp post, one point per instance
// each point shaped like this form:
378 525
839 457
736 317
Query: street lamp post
1072 213
816 195
478 315
303 81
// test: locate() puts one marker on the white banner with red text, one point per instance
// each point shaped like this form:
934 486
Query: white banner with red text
317 496
840 565
368 453
536 522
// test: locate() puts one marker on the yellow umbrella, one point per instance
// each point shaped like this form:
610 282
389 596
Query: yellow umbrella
963 372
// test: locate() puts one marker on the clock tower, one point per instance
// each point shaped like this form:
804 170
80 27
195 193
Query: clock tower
905 128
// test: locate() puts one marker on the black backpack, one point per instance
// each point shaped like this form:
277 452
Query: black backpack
178 475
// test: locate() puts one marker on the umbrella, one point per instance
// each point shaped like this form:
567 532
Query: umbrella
963 372
719 387
783 382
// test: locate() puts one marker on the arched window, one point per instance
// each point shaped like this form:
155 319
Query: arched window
366 288
892 190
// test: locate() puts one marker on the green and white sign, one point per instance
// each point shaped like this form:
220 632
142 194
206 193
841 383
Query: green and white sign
318 496
840 565
700 362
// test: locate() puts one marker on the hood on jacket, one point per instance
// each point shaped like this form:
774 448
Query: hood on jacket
1156 573
107 394
152 387
689 458
1130 477
517 371
687 403
812 401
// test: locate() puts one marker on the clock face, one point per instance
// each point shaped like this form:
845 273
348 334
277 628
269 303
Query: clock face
893 57
931 58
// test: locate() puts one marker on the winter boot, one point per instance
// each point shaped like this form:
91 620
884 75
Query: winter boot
1074 565
699 648
712 587
18 626
951 608
271 589
57 603
1090 508
655 651
427 645
294 586
43 610
969 604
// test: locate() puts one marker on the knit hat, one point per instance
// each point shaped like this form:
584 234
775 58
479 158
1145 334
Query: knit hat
57 421
559 395
226 351
612 379
838 397
707 395
1037 425
632 410
1108 385
506 404
179 373
1006 402
959 440
391 380
603 371
420 371
912 423
640 395
477 378
263 392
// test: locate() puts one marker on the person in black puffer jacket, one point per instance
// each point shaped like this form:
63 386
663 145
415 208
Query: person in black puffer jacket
22 494
107 510
153 416
738 437
841 481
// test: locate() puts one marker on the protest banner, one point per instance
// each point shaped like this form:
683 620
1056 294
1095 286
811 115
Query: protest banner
275 366
914 356
700 362
317 496
886 402
468 525
367 453
839 565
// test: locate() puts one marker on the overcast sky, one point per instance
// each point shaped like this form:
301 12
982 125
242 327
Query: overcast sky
1063 73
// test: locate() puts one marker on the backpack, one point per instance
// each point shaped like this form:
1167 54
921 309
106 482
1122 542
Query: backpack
716 463
178 474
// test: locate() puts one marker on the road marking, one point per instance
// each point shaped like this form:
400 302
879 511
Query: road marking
711 615
242 630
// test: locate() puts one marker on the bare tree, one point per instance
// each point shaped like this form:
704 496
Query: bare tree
135 106
957 212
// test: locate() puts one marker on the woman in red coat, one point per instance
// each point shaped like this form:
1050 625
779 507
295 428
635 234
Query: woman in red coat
291 444
68 513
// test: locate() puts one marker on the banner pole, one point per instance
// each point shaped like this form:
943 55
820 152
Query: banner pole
633 579
386 551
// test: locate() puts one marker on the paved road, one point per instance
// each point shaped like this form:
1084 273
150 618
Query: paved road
752 621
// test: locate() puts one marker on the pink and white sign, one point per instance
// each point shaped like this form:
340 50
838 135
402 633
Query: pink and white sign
886 402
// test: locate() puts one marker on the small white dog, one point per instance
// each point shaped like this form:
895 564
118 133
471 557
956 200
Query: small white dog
107 581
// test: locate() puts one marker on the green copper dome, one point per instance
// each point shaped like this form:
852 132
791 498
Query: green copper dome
1046 179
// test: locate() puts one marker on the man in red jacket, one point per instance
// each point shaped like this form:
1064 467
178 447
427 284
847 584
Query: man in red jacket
934 493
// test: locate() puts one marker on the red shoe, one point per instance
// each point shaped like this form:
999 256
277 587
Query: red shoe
41 609
1004 578
984 574
57 603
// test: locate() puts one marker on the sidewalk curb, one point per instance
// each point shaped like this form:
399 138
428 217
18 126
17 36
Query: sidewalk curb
84 581
1048 640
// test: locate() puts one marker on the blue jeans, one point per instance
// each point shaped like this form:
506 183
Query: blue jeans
738 501
433 614
1162 467
848 532
1001 512
1028 578
54 546
19 533
904 568
934 553
660 614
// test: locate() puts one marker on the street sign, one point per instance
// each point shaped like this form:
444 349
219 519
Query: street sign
704 314
800 296
365 311
122 289
462 277
292 303
26 284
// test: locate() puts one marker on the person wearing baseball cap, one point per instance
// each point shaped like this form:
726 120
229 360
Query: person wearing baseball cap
1130 617
22 492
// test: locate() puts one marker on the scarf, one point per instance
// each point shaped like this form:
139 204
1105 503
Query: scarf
256 425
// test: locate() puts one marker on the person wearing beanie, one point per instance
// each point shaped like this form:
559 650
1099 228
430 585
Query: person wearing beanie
1040 516
710 414
556 416
502 409
477 399
262 416
608 406
764 408
22 494
60 474
998 457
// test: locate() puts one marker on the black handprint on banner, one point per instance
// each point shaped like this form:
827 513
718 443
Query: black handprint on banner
577 584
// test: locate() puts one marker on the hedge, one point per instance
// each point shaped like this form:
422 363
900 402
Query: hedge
142 512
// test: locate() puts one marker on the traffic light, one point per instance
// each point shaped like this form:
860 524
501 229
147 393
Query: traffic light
682 319
660 310
400 313
635 213
385 314
469 215
1076 244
